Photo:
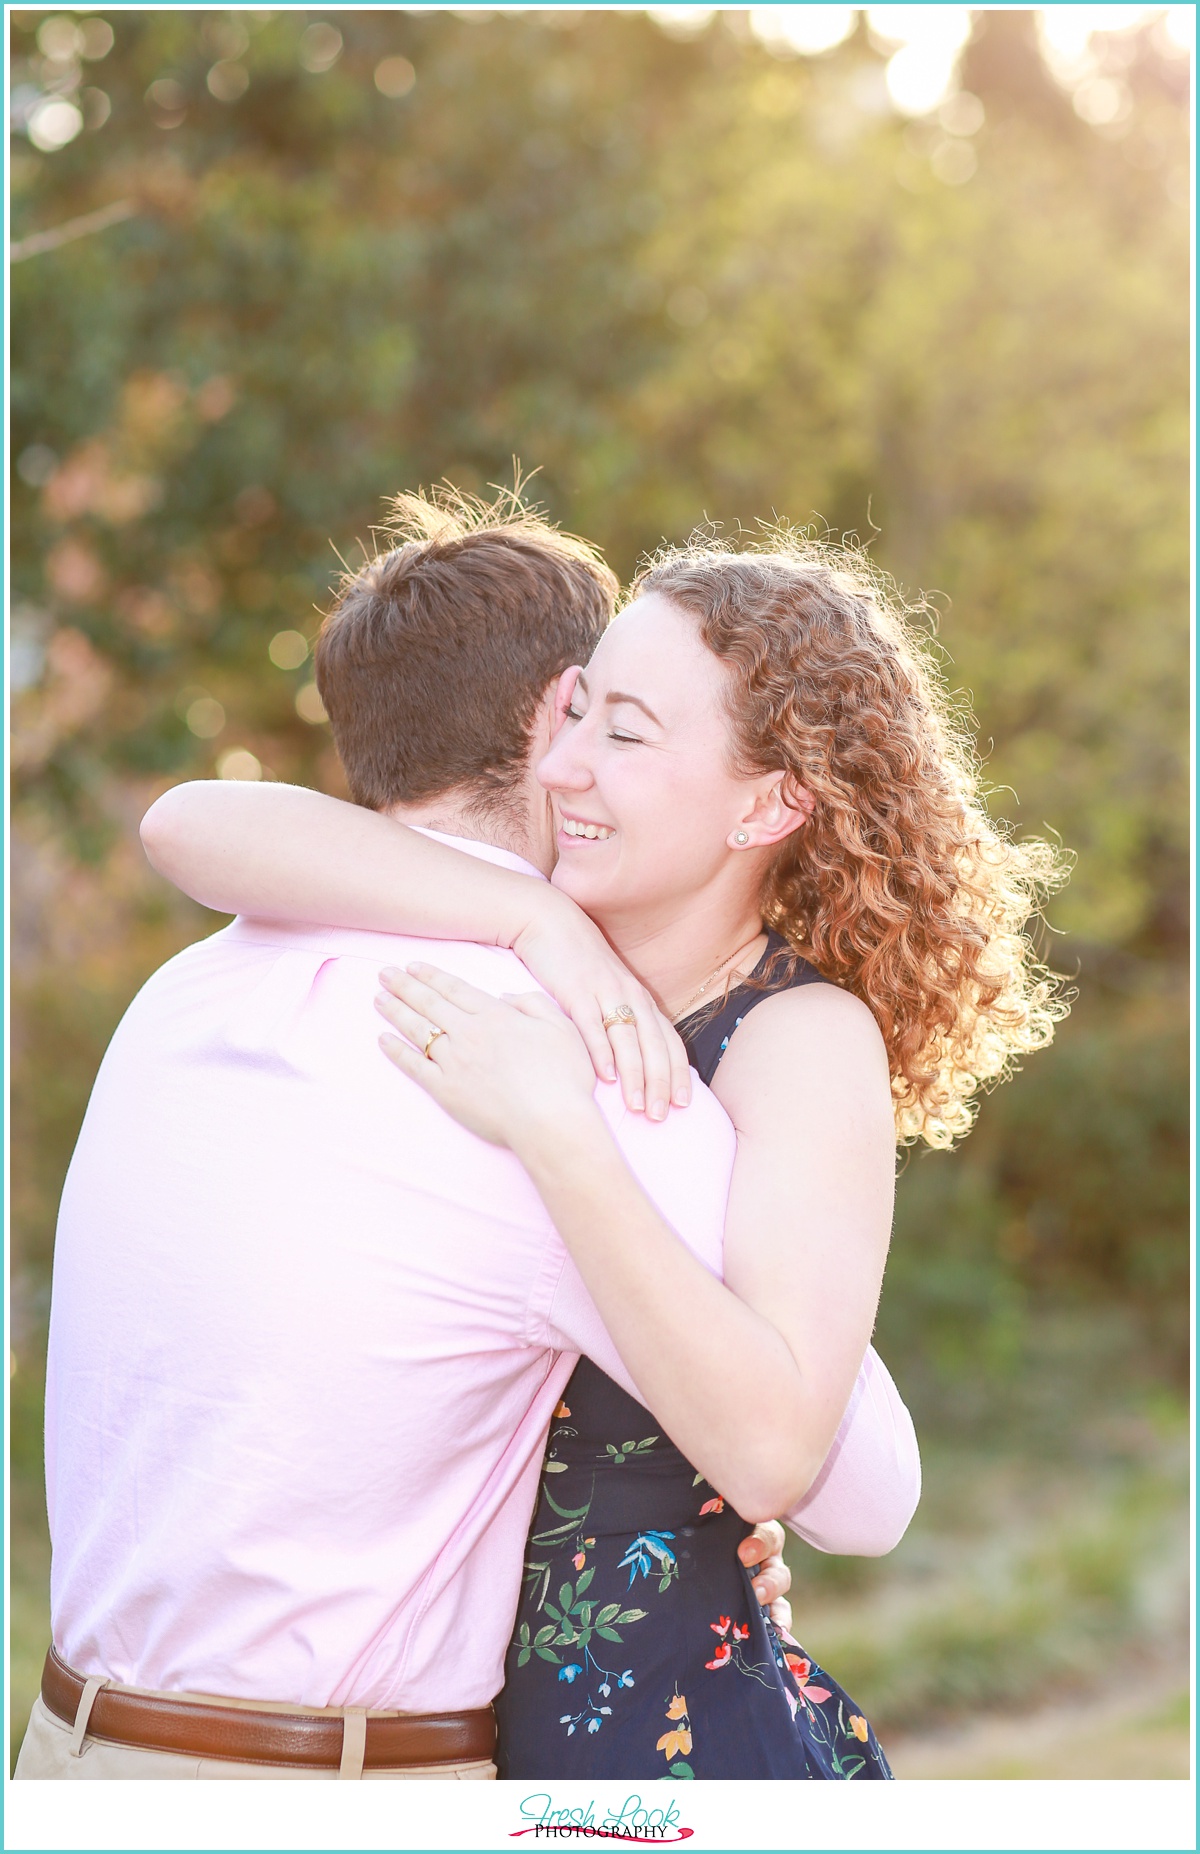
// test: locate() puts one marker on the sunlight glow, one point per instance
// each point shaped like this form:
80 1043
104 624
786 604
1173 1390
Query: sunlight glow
923 25
805 29
922 43
919 76
1179 23
1066 32
921 72
681 22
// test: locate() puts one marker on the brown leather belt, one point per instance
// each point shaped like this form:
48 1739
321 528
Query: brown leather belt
244 1735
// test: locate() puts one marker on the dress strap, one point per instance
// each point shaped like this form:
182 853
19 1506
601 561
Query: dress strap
706 1033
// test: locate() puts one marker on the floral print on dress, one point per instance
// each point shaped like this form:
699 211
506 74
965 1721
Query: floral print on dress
649 1555
676 1743
621 1664
731 1652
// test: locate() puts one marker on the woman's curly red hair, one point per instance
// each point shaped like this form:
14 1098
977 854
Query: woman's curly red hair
899 886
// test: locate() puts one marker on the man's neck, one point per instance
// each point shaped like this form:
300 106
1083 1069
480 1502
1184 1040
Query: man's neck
456 817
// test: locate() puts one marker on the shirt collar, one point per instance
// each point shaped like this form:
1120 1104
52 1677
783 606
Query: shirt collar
487 852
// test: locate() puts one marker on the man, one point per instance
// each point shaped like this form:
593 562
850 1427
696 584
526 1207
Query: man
307 1335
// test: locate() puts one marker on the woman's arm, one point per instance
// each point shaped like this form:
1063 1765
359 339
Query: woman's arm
282 852
749 1377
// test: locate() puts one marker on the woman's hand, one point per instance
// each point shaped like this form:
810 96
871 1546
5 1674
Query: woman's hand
569 955
764 1548
503 1067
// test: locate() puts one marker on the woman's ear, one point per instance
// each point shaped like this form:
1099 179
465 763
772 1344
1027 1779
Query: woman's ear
563 694
794 797
780 807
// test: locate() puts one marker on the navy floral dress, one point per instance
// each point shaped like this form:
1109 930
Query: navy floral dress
640 1649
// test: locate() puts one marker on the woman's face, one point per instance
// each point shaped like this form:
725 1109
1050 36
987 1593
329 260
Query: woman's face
642 761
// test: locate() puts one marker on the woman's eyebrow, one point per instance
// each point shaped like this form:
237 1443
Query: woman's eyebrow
617 695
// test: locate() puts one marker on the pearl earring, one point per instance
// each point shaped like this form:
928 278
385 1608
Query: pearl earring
741 836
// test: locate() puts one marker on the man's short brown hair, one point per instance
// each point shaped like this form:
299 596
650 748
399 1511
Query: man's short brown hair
433 662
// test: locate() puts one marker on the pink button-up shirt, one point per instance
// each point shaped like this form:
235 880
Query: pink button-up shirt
307 1335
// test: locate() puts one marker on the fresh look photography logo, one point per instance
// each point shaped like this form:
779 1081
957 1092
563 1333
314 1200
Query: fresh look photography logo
632 1820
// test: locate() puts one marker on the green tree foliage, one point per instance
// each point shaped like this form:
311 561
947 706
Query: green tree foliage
685 278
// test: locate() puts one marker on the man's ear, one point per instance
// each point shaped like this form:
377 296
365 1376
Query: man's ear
780 807
563 694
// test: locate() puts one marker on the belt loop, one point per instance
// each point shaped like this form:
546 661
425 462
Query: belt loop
354 1741
83 1713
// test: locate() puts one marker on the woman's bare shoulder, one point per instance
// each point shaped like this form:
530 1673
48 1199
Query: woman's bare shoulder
807 1014
799 1042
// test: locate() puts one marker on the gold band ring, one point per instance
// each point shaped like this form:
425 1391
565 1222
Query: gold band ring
432 1038
620 1014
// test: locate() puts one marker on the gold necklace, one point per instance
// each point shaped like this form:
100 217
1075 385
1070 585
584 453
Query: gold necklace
733 957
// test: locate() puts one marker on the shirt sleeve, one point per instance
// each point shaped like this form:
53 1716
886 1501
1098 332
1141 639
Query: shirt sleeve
867 1491
574 1325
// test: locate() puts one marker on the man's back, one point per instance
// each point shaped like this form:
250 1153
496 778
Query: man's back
301 1363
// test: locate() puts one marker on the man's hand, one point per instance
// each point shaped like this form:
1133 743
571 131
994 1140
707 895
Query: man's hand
764 1547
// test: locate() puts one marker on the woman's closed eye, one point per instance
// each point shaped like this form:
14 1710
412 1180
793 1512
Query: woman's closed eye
571 713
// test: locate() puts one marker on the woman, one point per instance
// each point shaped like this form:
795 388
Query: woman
754 762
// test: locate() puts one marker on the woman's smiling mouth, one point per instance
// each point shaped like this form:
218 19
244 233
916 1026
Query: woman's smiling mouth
579 827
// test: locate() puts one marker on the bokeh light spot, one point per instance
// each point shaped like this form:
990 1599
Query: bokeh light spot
1065 33
75 571
288 649
54 123
239 763
227 82
808 30
94 38
205 717
1101 100
166 100
166 93
394 77
320 47
226 36
918 77
961 114
681 22
953 162
215 398
36 465
96 106
58 37
309 705
929 39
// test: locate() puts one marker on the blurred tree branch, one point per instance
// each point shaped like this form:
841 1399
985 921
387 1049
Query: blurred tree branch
38 242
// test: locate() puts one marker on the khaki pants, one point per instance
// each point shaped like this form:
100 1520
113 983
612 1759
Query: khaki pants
46 1753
